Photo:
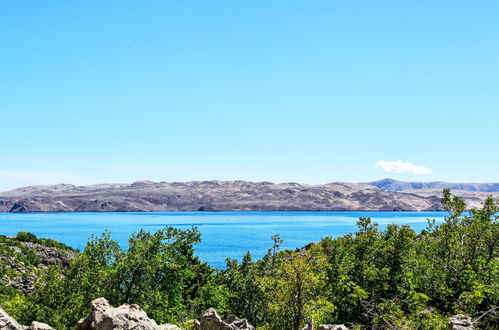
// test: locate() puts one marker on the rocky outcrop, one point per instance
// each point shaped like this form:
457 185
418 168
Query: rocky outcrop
49 256
460 322
24 275
125 317
332 327
212 321
25 284
38 326
8 323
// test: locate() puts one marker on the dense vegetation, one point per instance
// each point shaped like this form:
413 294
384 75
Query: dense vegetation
393 278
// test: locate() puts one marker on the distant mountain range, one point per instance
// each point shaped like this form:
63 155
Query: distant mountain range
394 185
383 195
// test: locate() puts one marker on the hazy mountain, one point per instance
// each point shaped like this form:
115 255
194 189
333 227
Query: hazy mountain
221 196
394 185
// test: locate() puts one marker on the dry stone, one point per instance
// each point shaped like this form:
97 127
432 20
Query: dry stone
39 326
460 322
8 323
212 321
125 317
332 327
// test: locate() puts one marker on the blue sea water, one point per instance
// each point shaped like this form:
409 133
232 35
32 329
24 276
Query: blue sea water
223 234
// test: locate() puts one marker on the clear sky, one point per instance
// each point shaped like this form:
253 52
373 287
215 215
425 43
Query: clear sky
303 91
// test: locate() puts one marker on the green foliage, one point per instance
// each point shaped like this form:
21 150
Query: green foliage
380 279
292 286
18 260
386 279
23 236
245 296
26 237
157 270
15 251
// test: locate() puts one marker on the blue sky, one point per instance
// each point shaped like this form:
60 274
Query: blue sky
303 91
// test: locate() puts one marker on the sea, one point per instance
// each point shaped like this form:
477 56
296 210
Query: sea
223 234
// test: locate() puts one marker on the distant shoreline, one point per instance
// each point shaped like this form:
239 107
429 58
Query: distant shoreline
237 196
222 212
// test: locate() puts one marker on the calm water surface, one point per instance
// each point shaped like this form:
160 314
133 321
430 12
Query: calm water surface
223 234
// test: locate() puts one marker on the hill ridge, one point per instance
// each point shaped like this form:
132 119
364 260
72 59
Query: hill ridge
216 195
396 185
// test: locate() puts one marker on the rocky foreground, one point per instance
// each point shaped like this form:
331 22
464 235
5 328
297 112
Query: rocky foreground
224 196
103 316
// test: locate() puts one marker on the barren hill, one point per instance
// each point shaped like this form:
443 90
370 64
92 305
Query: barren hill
395 185
220 196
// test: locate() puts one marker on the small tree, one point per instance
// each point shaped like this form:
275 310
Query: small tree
294 288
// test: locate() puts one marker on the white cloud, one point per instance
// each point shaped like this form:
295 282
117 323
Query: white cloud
402 167
10 179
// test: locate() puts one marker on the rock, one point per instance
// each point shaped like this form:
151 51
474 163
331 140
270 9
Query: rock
238 323
26 284
211 321
126 317
10 262
8 323
460 322
39 326
23 277
21 207
332 327
50 256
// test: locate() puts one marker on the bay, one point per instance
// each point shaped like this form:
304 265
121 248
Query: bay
223 234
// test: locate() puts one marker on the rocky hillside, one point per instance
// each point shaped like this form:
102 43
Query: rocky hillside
22 256
395 185
221 196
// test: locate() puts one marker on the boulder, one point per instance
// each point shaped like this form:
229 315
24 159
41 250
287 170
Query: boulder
126 317
8 323
332 327
211 321
38 326
460 322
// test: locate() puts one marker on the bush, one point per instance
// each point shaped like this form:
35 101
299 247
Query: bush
26 237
